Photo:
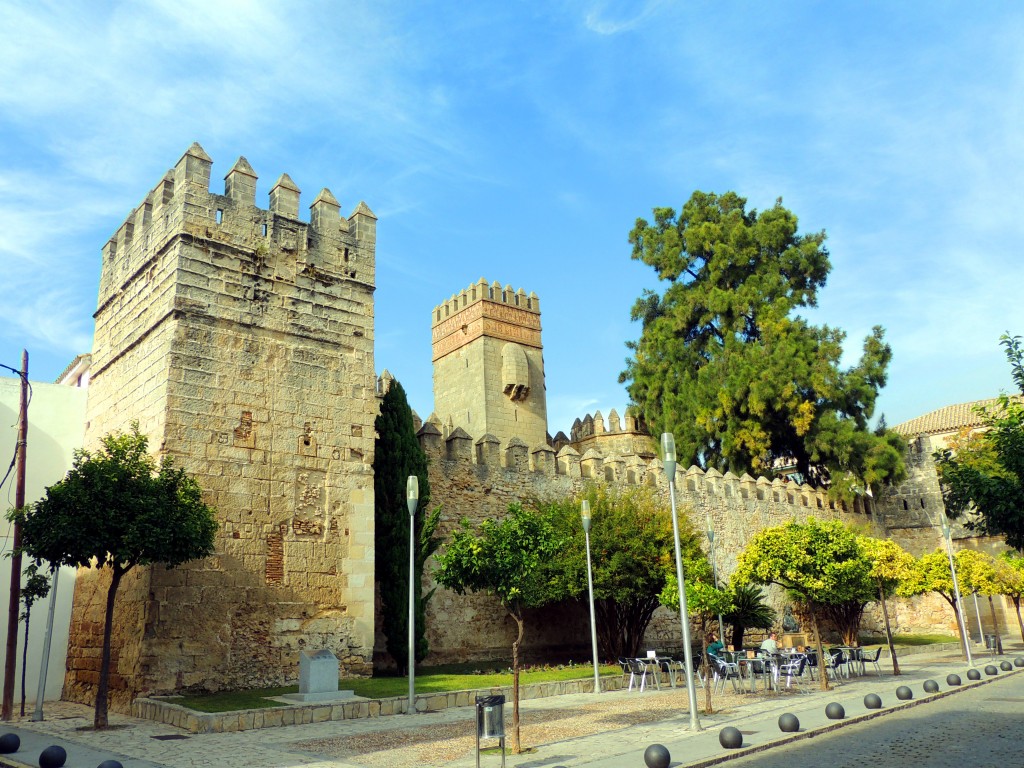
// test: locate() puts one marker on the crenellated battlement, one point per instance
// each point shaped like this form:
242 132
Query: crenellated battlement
481 290
181 204
454 450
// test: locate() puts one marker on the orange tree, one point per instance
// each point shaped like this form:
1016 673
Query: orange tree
818 562
118 508
510 559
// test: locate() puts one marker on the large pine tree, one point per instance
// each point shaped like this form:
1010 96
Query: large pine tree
397 454
725 363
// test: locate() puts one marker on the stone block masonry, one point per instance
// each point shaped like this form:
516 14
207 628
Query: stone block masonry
241 340
479 478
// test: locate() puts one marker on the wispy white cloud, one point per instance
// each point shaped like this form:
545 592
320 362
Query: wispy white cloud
613 18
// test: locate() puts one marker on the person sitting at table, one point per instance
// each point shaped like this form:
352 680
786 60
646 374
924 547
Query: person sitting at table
771 645
715 646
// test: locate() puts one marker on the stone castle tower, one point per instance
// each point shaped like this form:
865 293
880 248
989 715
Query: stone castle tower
241 340
489 365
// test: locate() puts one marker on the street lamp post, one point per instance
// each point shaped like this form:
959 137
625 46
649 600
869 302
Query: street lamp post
585 515
668 453
977 612
946 533
412 500
714 569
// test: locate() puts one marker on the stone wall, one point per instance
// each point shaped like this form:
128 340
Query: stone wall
479 478
910 514
241 340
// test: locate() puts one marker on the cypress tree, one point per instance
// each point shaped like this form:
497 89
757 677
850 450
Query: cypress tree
397 454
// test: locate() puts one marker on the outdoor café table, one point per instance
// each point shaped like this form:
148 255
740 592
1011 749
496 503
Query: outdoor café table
761 665
751 666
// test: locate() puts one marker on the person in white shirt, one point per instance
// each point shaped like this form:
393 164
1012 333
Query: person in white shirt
771 645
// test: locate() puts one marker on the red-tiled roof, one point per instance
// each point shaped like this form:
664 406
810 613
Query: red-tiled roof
952 418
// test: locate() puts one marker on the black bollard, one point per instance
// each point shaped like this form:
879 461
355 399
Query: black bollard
730 737
903 693
53 757
973 674
835 711
953 680
9 743
657 756
990 669
930 686
873 701
789 723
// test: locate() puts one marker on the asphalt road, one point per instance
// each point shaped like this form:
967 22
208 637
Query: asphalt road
973 729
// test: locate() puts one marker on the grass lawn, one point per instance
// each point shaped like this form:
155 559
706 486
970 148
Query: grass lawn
909 640
430 680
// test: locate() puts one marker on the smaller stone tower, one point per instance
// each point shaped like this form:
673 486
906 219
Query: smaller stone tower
488 364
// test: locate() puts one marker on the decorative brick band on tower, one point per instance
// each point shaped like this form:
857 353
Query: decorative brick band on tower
241 339
489 365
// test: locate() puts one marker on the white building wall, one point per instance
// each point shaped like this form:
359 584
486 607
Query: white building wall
56 424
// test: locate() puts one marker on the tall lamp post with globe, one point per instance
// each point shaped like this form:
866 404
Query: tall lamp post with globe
948 536
585 516
412 499
714 567
668 458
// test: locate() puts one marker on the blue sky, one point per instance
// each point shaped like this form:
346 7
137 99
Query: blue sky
519 142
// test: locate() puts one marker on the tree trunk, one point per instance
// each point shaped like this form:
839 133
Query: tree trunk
738 630
24 662
100 717
960 627
708 684
888 630
621 627
995 625
516 748
1020 622
822 668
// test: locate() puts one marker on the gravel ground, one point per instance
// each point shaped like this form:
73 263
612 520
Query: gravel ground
440 744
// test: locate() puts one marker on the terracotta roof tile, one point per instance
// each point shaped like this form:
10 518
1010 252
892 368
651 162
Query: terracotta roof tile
951 418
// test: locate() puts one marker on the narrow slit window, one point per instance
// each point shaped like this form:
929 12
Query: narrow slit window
220 215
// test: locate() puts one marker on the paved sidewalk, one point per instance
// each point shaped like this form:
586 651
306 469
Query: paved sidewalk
390 740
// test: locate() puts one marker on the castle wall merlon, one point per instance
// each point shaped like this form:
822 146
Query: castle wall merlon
284 197
568 462
126 234
592 465
614 469
543 460
459 446
144 214
517 455
325 214
164 191
488 451
193 170
429 437
364 225
693 478
240 183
